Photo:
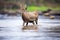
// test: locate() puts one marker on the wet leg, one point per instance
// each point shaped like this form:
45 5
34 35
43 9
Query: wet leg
36 22
23 23
33 22
26 23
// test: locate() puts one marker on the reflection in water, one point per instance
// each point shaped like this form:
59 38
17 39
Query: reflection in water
30 27
12 29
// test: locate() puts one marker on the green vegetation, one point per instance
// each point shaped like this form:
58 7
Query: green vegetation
33 8
41 8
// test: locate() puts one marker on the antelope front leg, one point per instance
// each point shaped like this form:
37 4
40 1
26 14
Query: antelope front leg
26 23
23 23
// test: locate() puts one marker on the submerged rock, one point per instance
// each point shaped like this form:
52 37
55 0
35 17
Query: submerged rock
46 14
52 17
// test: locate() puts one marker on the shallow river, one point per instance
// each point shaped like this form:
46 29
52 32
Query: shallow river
11 29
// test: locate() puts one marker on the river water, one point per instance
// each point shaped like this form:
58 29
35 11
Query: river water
11 29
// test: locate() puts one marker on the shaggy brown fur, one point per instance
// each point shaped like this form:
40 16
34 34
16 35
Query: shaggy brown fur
29 17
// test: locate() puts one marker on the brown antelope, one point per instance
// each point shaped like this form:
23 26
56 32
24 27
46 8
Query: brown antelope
30 17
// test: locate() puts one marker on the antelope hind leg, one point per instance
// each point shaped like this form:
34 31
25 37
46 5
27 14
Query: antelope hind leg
33 23
36 22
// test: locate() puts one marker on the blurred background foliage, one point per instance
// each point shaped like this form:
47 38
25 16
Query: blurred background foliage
30 4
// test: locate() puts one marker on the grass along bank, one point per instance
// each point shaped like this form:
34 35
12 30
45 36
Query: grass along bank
41 8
